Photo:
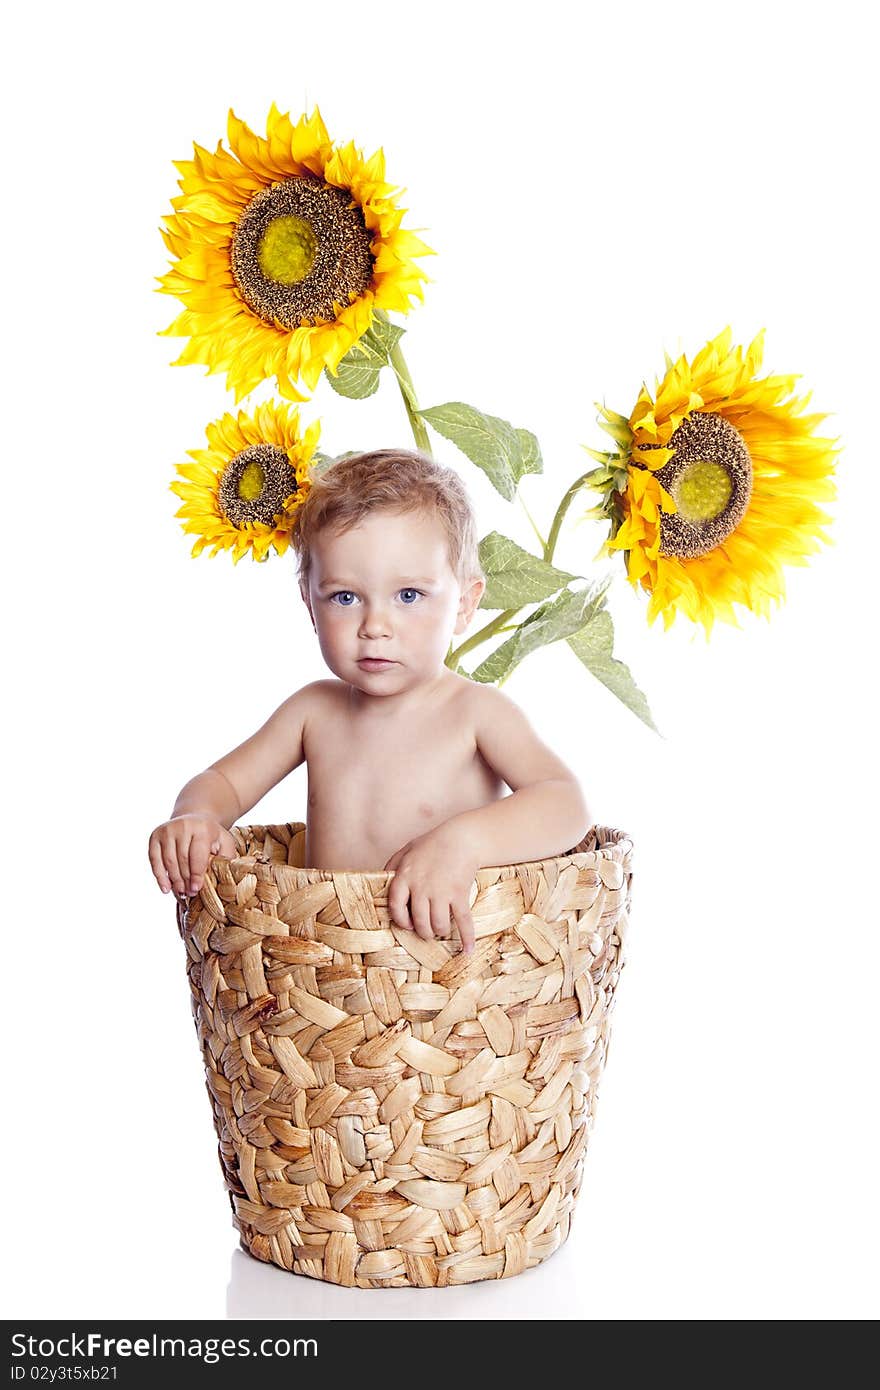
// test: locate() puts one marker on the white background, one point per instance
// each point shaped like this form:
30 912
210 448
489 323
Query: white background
598 188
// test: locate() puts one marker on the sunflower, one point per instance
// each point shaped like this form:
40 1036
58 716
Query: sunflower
244 491
714 485
285 249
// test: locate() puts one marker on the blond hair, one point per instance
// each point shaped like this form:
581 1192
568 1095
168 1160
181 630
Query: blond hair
398 480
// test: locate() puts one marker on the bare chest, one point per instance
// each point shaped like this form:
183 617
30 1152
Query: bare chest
374 785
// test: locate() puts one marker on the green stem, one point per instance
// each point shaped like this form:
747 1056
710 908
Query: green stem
420 435
408 392
498 624
541 540
560 517
483 635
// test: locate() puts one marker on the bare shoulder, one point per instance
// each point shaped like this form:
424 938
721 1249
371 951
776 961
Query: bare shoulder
285 728
486 704
323 696
492 717
320 703
275 750
327 683
508 741
462 700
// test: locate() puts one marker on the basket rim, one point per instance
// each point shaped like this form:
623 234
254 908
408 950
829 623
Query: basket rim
618 849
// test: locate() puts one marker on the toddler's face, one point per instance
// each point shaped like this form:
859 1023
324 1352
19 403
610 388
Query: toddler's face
385 589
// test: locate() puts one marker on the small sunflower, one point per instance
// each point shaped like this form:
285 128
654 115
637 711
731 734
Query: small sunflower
285 248
244 491
714 485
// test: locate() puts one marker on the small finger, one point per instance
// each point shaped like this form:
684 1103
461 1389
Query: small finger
465 924
155 853
183 852
398 903
196 883
441 926
420 911
199 854
173 868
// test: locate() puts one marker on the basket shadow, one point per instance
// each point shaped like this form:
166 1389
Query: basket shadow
557 1289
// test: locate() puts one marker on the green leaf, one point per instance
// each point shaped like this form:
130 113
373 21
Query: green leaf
514 576
503 453
530 454
562 617
593 646
358 373
385 333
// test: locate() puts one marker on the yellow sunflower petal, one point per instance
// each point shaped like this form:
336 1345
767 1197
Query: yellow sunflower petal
221 509
791 472
248 325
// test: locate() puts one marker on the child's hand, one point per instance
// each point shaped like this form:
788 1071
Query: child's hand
181 848
433 876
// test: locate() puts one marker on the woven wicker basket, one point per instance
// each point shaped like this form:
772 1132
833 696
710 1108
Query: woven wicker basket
391 1112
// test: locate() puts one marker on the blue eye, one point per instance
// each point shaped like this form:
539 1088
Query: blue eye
342 597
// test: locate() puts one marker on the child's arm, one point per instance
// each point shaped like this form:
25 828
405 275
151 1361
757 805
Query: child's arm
545 815
181 847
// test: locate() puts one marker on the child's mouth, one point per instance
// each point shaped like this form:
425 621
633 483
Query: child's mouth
372 663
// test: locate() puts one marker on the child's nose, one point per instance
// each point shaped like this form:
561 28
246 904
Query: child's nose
375 621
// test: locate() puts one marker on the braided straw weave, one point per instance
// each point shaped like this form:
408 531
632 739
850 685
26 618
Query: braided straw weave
391 1112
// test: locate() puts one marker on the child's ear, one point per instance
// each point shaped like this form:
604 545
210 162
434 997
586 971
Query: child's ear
305 598
470 597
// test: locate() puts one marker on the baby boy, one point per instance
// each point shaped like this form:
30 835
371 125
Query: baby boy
407 761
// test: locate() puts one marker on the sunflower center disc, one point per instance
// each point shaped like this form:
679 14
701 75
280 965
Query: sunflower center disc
286 250
251 482
255 485
710 479
301 252
703 490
